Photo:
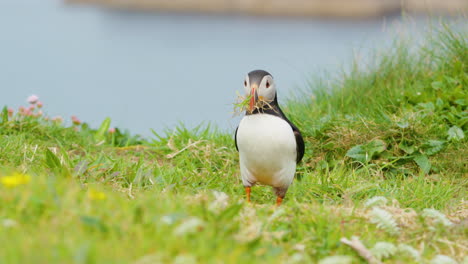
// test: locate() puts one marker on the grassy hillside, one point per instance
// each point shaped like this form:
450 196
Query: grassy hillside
386 161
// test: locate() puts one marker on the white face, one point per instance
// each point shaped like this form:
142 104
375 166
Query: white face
265 90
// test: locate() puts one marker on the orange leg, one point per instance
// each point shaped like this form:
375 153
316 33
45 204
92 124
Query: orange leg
279 200
247 190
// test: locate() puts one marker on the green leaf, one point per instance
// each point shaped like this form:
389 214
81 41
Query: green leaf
432 147
402 124
423 163
330 145
437 85
365 153
358 153
451 80
94 223
461 102
4 115
376 146
52 161
100 134
455 134
406 148
427 106
439 103
322 165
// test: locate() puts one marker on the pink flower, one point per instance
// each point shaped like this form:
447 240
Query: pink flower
112 130
39 104
21 109
31 108
10 112
75 120
39 113
33 99
57 119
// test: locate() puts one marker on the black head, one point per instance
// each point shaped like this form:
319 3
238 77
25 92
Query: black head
259 84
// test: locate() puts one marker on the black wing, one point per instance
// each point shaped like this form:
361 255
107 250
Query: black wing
300 147
235 139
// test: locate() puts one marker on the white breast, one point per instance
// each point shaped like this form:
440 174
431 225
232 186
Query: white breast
267 150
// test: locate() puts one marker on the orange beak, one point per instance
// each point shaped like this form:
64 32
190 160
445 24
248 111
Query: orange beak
252 98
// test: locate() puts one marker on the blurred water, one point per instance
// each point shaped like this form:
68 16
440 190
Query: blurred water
156 70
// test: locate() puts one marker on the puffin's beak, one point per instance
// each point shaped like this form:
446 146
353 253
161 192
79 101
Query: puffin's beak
253 97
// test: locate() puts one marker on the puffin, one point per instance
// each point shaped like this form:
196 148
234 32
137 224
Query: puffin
269 145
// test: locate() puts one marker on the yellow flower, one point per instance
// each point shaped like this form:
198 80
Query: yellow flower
15 179
96 195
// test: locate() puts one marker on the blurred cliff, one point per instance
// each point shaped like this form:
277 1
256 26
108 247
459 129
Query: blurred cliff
320 8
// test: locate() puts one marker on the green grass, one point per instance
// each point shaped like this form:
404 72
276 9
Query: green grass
395 129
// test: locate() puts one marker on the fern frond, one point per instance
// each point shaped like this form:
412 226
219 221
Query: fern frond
442 259
375 201
437 216
383 250
410 251
384 220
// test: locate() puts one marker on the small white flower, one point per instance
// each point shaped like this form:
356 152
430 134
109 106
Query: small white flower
247 213
375 201
299 247
167 219
336 260
9 223
221 202
437 216
441 259
189 226
249 232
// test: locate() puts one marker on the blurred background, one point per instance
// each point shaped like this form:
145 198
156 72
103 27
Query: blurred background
152 64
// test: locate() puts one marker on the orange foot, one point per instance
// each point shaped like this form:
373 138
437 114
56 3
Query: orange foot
247 190
279 200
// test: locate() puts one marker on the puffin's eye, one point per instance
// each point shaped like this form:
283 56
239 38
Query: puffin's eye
267 84
245 83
